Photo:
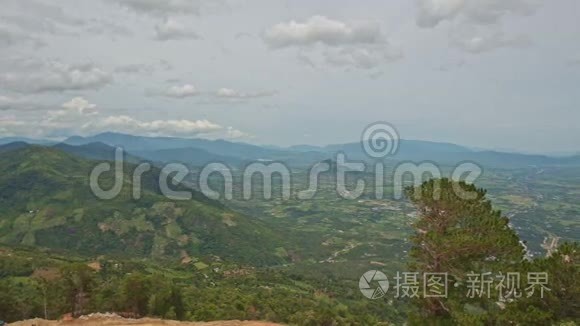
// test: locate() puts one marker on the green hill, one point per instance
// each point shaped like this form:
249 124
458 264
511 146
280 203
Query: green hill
46 201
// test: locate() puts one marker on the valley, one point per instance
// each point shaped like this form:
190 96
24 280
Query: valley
240 253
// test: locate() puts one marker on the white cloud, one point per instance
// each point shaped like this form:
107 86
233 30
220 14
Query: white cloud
51 15
188 90
8 103
229 93
183 91
39 19
161 8
131 125
81 117
73 112
173 30
303 58
432 12
143 68
360 45
320 29
485 41
77 105
362 57
42 121
135 68
232 133
39 77
29 24
80 105
29 21
78 116
108 28
19 104
12 126
10 36
491 11
476 24
75 124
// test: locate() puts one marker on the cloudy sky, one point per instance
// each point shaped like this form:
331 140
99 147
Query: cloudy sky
501 74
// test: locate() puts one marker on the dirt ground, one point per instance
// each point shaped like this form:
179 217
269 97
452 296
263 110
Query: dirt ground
116 320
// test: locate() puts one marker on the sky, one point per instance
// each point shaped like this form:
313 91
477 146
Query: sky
500 74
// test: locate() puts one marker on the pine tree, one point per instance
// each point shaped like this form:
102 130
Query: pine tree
561 300
78 281
458 232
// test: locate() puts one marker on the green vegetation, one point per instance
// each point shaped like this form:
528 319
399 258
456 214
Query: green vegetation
46 201
291 261
46 284
458 232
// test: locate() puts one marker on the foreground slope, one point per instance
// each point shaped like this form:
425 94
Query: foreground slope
111 319
46 201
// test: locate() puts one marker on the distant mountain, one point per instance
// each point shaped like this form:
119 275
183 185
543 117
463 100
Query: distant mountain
514 159
92 151
96 151
191 156
201 151
572 160
444 153
307 148
407 149
198 152
8 140
46 201
13 146
141 144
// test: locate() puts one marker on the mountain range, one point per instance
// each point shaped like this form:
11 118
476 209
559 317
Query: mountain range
197 152
46 201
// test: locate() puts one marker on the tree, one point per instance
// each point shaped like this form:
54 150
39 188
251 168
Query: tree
457 233
561 303
136 290
18 300
166 300
78 281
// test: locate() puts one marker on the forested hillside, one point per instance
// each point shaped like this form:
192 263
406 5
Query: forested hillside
46 201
